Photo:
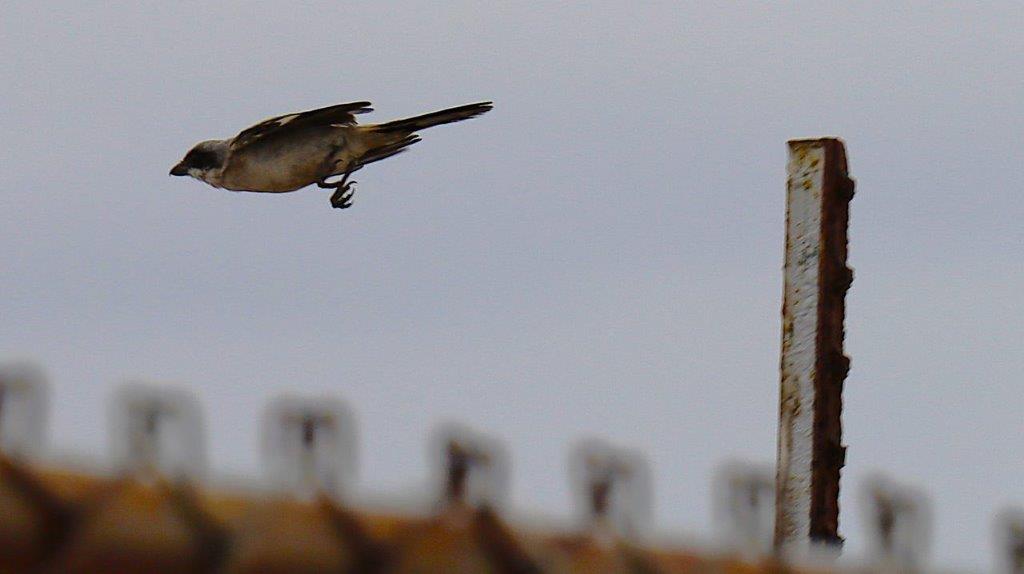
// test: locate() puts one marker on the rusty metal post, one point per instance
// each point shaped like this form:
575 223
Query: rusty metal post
813 366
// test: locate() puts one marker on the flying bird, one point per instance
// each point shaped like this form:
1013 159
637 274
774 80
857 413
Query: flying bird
289 152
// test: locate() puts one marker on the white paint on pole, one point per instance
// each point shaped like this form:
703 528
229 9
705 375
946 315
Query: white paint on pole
806 170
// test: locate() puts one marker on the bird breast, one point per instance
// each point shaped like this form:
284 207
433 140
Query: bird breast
286 166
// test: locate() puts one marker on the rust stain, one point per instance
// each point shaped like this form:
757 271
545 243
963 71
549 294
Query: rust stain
832 365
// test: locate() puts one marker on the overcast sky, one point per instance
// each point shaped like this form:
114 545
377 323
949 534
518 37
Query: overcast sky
600 255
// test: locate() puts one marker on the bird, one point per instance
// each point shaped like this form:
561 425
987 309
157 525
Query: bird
289 152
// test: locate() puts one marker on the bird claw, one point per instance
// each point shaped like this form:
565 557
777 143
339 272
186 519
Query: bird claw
342 196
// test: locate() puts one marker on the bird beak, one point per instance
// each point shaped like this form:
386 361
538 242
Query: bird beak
179 169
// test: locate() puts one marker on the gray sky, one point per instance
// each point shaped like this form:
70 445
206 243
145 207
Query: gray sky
601 254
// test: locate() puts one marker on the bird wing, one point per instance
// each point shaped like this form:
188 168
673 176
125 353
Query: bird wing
337 115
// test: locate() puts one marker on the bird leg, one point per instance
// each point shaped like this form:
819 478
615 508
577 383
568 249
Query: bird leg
342 196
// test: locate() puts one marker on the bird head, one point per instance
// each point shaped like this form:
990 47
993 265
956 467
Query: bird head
203 160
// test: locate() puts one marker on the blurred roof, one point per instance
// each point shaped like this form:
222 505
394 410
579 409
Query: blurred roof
71 522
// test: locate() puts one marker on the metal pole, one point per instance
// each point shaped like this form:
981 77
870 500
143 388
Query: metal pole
813 365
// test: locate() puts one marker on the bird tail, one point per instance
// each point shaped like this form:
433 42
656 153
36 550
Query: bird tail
435 118
385 151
